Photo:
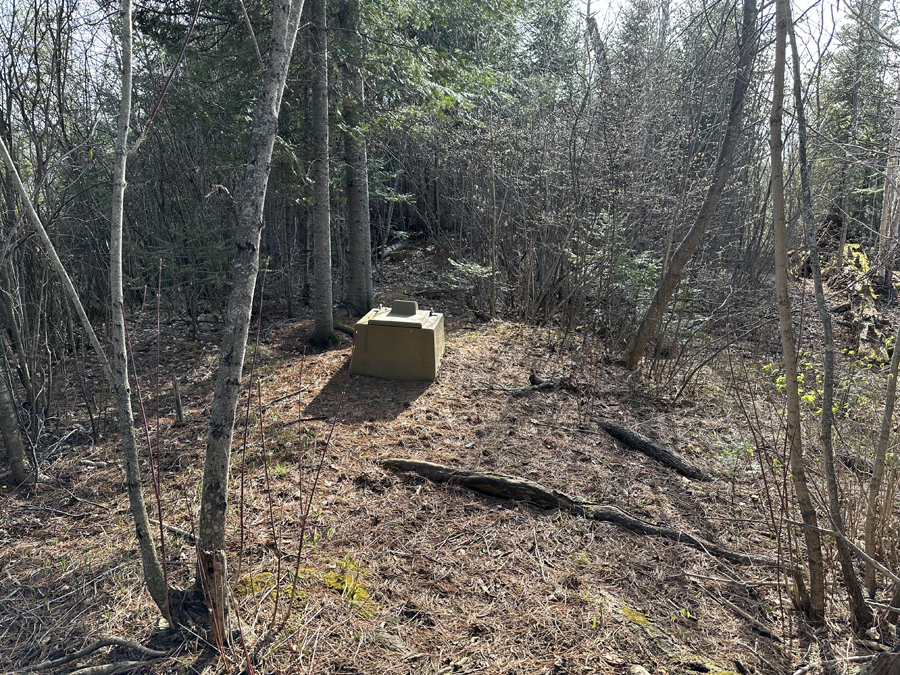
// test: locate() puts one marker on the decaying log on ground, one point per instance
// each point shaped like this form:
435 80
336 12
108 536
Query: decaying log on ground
885 664
511 487
653 450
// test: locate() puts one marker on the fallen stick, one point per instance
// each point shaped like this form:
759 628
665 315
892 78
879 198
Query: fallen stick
511 487
659 453
103 642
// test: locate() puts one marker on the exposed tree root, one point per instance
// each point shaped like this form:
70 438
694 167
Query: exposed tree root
662 455
344 328
90 649
510 487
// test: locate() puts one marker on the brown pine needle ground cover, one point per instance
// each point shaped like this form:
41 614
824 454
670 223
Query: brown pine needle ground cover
400 575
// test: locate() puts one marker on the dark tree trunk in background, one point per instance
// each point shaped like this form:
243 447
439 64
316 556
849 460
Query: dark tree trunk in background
360 294
323 329
11 436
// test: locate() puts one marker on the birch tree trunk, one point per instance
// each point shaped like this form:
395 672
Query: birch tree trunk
674 271
794 440
251 195
323 330
862 616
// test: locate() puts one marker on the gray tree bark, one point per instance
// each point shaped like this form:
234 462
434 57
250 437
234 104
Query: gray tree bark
11 435
877 478
117 373
360 293
323 329
887 241
251 195
674 271
862 616
866 10
153 571
794 440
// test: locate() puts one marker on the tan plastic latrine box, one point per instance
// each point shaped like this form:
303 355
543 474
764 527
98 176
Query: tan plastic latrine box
400 342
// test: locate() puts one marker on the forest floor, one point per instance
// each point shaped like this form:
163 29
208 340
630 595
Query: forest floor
403 575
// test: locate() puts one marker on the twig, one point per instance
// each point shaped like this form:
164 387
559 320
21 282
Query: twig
759 656
574 430
176 393
837 534
107 669
88 583
176 530
41 507
282 398
87 501
757 626
731 581
834 662
316 418
537 554
881 605
90 649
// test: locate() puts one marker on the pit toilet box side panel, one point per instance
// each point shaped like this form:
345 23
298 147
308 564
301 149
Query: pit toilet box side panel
399 353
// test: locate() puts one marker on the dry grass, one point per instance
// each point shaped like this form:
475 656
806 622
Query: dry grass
404 576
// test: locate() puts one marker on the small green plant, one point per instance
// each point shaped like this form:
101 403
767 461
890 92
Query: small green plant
581 558
466 275
254 583
347 580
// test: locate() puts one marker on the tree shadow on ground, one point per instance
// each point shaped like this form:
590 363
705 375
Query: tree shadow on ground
367 399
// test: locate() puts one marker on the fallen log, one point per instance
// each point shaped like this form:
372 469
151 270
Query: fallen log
511 487
662 455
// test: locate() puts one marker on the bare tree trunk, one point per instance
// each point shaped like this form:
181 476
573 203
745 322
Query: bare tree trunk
887 242
794 440
865 10
153 570
672 276
11 436
50 250
862 617
360 294
251 195
323 329
117 375
877 478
